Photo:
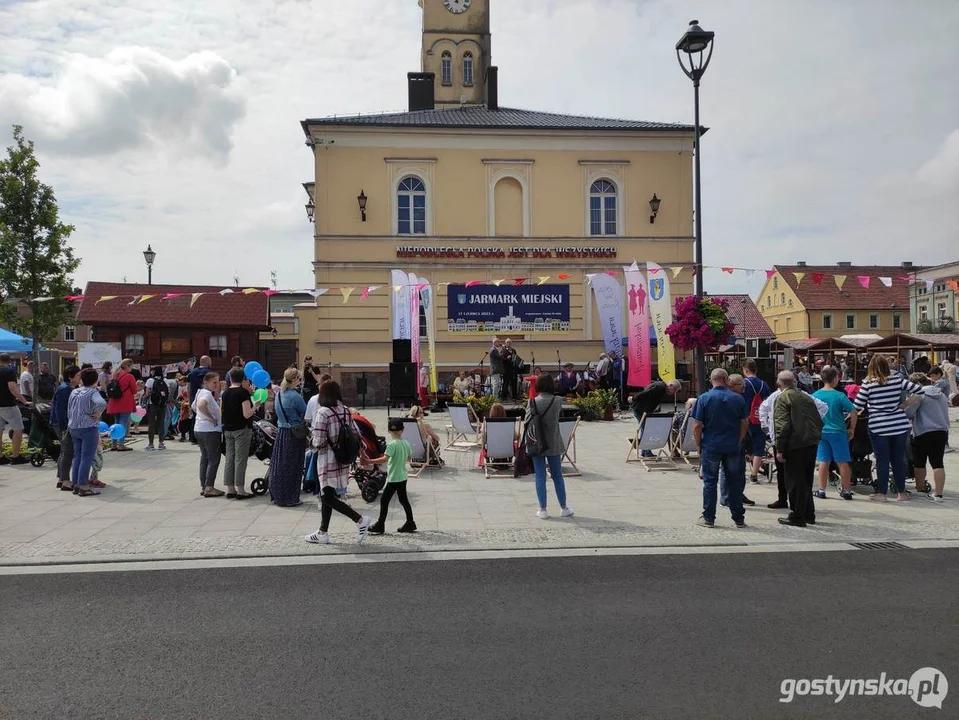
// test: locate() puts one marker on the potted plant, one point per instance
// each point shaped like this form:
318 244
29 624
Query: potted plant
479 405
700 323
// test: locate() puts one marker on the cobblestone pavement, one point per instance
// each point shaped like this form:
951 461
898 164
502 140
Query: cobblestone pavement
152 509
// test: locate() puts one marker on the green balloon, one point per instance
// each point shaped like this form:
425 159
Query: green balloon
260 395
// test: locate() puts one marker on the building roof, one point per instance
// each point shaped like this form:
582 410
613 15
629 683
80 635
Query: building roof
853 296
231 310
917 341
744 314
481 117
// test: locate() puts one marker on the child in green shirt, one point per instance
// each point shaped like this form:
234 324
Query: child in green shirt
397 456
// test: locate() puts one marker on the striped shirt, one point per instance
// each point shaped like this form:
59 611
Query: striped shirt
84 408
882 401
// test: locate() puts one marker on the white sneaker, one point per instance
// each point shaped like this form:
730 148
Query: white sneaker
318 538
937 498
567 511
362 529
542 514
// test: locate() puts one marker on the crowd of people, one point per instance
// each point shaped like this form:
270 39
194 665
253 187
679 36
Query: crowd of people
904 419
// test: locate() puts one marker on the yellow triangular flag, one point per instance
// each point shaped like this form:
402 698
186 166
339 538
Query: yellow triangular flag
676 269
799 277
497 283
346 293
543 280
105 298
397 289
840 279
250 291
145 298
196 296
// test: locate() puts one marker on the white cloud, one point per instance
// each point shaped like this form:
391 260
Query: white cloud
132 98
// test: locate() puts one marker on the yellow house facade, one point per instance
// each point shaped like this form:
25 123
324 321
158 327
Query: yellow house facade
471 191
796 307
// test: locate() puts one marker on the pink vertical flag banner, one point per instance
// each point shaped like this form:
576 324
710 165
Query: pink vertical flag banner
637 305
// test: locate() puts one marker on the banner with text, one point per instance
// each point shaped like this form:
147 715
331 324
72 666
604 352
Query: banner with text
401 304
609 302
491 309
661 311
426 300
414 294
640 361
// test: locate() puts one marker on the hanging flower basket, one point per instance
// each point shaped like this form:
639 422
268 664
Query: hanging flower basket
700 323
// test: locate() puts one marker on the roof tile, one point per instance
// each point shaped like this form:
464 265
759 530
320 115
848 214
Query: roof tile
853 296
744 314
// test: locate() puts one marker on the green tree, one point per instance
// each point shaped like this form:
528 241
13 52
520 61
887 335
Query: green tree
35 259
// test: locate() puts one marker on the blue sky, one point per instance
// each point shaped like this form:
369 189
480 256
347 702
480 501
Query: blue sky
833 132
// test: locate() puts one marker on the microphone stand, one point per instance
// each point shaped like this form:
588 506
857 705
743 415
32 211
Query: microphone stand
559 363
482 382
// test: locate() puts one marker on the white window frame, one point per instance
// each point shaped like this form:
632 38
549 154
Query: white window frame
69 333
469 67
873 321
215 343
827 325
853 316
397 193
940 310
897 321
446 68
134 345
603 196
923 312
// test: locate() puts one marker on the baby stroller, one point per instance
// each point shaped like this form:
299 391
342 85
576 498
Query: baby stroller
860 450
42 440
373 479
261 447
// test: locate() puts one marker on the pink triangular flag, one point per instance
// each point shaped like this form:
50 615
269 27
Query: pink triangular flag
473 283
371 288
863 280
770 273
171 296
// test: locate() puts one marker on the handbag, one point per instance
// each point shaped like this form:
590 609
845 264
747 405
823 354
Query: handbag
299 431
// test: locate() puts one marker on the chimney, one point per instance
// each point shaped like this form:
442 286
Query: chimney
421 86
801 263
907 264
492 88
844 264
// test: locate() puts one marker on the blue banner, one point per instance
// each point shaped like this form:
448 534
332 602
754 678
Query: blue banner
491 309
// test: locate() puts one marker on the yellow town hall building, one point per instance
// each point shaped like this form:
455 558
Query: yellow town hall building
459 188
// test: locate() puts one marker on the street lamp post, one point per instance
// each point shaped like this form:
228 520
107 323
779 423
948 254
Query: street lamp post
694 51
149 256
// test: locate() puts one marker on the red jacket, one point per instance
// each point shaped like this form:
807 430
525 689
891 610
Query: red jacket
125 404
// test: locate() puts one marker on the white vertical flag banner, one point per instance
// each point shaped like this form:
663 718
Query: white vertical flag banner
609 302
414 294
661 313
401 305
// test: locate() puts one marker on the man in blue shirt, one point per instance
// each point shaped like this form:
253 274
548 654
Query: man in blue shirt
721 422
756 390
195 378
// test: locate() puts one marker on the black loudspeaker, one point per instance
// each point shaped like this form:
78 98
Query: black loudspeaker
402 351
766 370
402 383
361 386
682 372
757 348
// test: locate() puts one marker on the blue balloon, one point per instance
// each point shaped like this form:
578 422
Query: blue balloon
262 379
117 432
251 369
103 427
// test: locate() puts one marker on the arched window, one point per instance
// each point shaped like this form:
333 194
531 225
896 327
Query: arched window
411 207
446 64
468 68
602 208
782 298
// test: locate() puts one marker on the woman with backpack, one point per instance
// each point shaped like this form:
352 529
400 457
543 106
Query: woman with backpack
156 394
337 443
121 400
289 449
544 443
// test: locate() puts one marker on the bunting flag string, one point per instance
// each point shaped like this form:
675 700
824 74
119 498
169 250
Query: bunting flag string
799 276
749 274
863 280
840 280
769 274
196 296
676 270
817 279
346 292
887 281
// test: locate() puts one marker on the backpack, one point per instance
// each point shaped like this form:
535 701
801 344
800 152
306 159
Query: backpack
346 447
756 402
159 393
46 385
114 391
536 442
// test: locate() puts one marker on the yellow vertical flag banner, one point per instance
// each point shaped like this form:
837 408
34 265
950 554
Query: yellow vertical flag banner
426 301
661 315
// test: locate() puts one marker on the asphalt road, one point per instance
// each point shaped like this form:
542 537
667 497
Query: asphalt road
606 637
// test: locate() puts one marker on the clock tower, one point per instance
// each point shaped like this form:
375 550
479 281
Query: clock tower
456 49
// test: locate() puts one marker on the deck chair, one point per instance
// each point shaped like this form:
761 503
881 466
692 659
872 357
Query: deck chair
463 435
499 449
567 428
653 435
687 442
423 455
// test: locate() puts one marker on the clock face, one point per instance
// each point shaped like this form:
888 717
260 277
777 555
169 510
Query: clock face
457 6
